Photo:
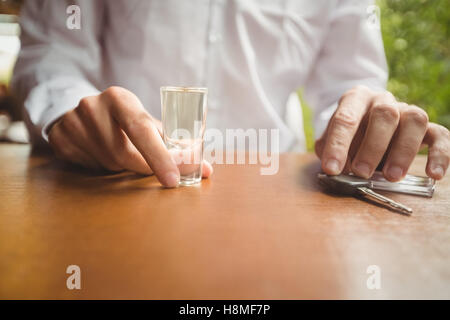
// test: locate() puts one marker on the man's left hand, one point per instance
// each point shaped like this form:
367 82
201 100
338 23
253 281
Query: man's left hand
370 128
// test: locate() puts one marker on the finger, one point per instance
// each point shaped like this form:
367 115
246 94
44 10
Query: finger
207 169
126 153
342 128
357 139
78 125
66 150
406 143
113 143
438 140
188 162
138 126
382 123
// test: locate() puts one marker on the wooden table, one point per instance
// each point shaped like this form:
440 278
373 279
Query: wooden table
238 235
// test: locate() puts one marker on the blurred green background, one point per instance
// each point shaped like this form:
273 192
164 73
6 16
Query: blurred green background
417 44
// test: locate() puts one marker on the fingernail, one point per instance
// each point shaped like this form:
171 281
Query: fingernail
363 169
438 171
171 180
332 166
395 173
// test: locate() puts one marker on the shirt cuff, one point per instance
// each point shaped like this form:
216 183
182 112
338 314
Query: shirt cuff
50 100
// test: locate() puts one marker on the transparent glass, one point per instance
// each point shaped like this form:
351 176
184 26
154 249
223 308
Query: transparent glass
411 184
183 111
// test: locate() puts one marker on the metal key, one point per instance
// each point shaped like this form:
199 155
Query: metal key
351 185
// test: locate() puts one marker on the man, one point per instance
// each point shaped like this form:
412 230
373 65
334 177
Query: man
93 92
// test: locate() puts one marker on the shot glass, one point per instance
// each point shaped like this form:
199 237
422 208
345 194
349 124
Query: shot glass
183 111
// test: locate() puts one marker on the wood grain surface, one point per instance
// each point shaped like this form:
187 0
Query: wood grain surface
238 235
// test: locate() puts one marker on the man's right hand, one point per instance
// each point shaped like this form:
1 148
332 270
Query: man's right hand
115 132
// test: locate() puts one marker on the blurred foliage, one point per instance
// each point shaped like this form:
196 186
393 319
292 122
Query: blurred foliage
417 44
308 126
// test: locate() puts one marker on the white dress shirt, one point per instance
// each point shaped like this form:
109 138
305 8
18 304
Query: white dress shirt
251 54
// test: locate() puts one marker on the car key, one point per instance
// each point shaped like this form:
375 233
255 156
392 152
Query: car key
351 185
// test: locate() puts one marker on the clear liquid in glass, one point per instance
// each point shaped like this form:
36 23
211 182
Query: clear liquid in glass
188 155
183 120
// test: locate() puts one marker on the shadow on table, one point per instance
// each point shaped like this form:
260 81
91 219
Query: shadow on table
43 168
307 179
307 175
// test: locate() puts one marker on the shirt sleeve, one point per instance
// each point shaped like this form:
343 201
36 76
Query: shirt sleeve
57 65
352 54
